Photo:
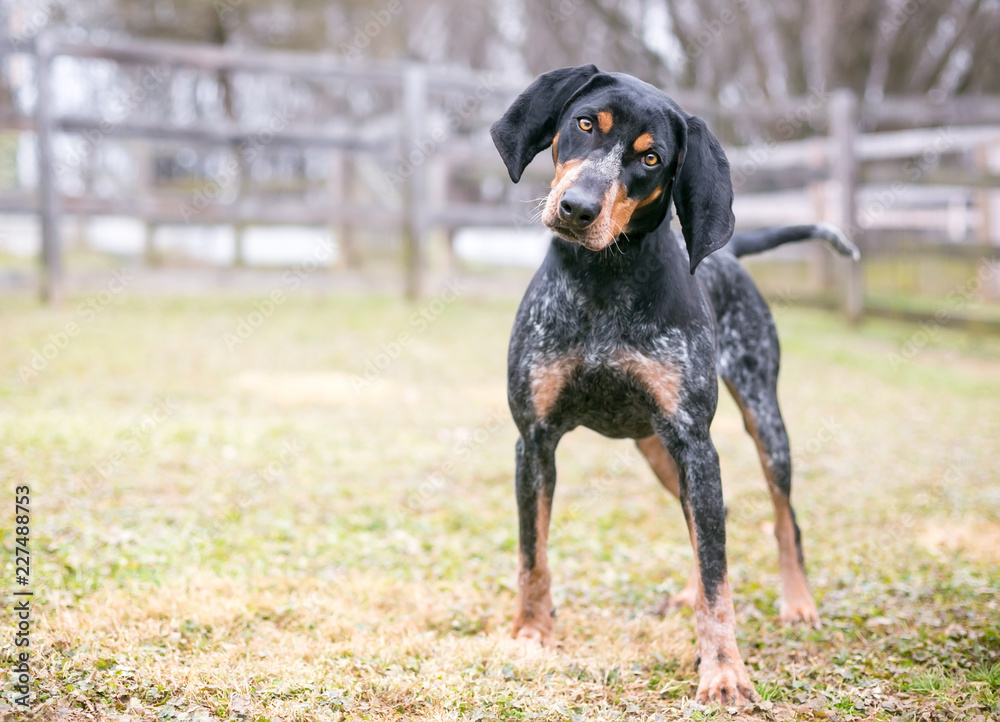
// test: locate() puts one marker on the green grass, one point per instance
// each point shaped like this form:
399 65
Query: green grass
254 534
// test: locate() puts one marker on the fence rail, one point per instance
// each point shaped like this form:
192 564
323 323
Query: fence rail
830 178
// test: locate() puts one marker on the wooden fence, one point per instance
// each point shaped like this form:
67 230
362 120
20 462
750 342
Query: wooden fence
837 177
413 83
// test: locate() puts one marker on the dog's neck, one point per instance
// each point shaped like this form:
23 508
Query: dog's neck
626 257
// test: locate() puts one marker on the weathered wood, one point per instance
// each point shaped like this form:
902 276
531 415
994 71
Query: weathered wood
51 274
458 215
903 144
172 211
221 57
844 170
339 183
413 173
908 111
898 243
224 134
149 251
958 178
918 110
984 194
954 320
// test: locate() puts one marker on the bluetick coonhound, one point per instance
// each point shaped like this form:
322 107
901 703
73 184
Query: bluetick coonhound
617 333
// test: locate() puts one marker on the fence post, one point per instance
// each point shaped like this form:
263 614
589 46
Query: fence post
340 186
844 169
51 271
414 163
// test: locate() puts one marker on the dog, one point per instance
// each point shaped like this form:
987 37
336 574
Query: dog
616 332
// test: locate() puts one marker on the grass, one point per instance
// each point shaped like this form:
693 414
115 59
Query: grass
251 533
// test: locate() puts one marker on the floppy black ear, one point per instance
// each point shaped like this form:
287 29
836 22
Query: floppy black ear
530 122
703 192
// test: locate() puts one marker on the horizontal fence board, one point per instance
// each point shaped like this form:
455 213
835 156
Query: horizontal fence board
226 134
458 215
222 57
966 323
911 143
187 212
978 252
921 110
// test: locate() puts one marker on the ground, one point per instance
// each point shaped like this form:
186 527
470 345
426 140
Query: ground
306 511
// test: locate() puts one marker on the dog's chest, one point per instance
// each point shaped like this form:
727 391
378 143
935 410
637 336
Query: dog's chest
606 368
613 336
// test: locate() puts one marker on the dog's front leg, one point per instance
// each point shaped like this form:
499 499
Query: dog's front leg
723 677
535 484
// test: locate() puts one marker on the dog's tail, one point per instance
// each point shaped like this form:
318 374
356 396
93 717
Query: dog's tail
749 242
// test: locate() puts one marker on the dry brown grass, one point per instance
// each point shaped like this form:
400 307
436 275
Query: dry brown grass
283 546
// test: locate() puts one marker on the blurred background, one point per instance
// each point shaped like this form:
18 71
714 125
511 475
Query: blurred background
216 144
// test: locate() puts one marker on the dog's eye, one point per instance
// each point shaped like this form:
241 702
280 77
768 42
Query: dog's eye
651 159
585 124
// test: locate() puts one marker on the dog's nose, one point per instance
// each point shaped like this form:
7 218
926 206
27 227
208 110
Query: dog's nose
578 208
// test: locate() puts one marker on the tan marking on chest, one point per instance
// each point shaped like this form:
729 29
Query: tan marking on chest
662 380
604 121
548 380
643 143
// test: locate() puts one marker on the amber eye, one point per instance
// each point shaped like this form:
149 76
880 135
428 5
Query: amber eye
585 124
651 159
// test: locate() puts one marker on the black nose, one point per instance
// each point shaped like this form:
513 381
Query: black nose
578 208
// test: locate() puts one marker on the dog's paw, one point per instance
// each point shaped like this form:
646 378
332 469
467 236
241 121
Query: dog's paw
726 684
537 633
800 611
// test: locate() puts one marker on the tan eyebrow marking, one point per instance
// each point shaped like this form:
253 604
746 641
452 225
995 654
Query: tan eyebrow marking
555 142
643 143
604 121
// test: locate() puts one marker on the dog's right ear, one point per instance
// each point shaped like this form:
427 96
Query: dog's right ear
528 126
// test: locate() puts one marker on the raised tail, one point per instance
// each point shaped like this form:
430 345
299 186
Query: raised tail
749 242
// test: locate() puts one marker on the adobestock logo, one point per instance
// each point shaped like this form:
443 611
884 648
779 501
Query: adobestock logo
364 34
264 308
57 341
419 322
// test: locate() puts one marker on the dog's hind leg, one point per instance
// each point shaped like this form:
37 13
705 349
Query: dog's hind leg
748 358
762 419
663 465
754 387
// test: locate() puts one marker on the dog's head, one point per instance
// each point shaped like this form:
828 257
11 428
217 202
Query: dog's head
622 150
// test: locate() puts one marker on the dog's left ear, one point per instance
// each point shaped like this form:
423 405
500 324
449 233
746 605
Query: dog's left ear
528 126
703 191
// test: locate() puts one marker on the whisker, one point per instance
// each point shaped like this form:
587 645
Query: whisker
622 232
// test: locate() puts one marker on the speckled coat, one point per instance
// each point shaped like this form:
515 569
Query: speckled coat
626 327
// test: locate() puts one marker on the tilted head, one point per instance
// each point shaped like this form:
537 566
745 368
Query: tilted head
622 150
